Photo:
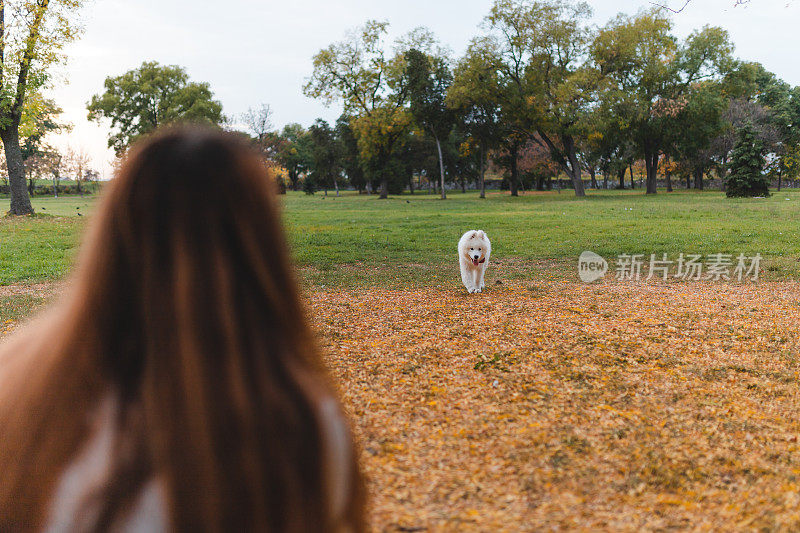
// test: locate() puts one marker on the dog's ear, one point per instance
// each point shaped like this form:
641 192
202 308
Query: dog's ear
474 235
481 234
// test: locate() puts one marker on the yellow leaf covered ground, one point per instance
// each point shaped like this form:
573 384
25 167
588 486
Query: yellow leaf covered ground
618 406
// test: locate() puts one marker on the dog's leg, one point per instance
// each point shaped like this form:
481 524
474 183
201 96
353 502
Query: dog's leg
481 274
477 279
465 277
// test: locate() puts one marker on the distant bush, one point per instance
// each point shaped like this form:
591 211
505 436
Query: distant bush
747 166
309 185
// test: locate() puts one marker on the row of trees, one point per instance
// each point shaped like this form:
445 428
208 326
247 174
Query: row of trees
541 92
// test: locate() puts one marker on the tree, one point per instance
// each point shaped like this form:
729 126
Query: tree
747 166
55 165
428 79
381 135
40 116
293 152
473 98
347 153
651 76
325 166
543 47
141 100
783 104
740 112
700 121
258 121
371 87
77 161
270 143
33 34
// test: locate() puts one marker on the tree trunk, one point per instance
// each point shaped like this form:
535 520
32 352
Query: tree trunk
633 182
20 201
698 178
80 189
574 166
575 175
441 166
384 188
621 175
651 167
513 185
483 172
668 175
55 187
411 183
593 176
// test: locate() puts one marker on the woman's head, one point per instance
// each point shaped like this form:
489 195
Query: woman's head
189 241
184 306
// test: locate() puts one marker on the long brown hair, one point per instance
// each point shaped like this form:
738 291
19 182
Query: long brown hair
184 306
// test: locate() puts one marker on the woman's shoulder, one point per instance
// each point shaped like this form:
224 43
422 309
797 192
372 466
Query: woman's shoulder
89 471
338 449
70 507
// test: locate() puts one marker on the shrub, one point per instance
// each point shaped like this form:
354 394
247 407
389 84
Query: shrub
747 165
309 185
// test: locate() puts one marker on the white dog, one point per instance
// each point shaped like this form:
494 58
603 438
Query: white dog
474 249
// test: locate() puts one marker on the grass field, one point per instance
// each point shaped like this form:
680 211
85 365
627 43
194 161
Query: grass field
542 403
410 240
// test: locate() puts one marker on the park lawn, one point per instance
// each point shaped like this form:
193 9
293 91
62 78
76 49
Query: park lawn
410 240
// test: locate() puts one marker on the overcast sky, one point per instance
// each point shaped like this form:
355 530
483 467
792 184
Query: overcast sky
254 51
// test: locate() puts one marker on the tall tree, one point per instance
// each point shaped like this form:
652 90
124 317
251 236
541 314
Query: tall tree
472 95
40 117
348 154
356 72
78 161
428 79
652 76
258 121
151 96
700 121
293 152
543 49
740 112
747 166
325 167
32 35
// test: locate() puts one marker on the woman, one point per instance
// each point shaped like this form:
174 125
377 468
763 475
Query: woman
176 386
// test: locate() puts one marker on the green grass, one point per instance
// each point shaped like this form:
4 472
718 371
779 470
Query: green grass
357 239
360 240
20 306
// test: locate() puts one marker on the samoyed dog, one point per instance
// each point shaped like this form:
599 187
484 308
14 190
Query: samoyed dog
474 249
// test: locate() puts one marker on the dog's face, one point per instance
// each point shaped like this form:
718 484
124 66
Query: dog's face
475 248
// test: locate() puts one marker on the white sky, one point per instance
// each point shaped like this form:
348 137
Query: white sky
254 51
